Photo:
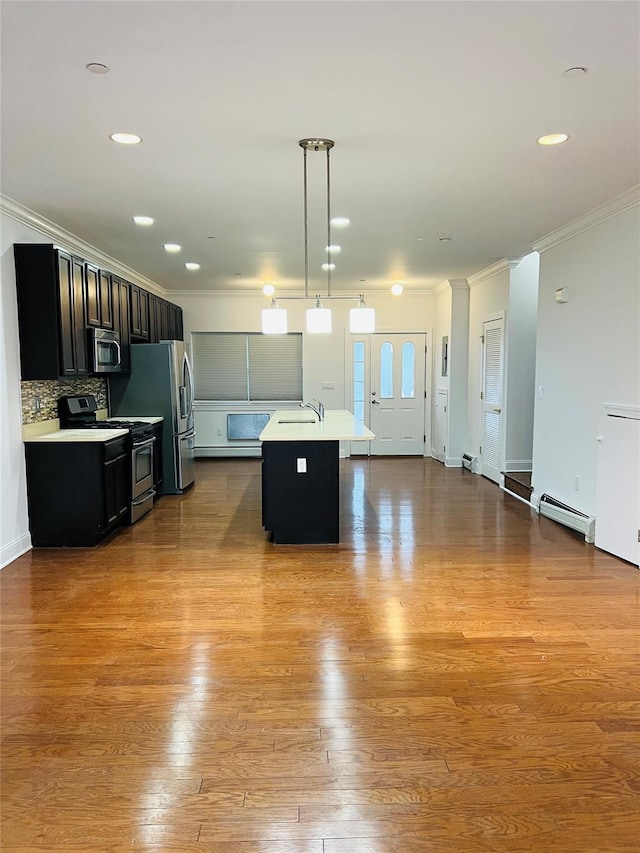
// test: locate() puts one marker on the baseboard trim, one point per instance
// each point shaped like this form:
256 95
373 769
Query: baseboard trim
12 550
518 465
228 452
453 462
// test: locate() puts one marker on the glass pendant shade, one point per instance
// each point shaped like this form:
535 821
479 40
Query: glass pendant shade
274 321
362 320
318 321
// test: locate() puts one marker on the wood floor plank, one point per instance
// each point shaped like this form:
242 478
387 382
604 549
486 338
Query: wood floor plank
456 674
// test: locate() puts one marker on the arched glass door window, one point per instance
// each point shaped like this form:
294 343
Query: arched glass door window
408 370
386 370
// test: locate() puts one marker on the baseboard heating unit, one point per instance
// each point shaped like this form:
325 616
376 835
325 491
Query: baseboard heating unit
562 513
470 462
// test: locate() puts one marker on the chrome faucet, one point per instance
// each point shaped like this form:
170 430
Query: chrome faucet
319 409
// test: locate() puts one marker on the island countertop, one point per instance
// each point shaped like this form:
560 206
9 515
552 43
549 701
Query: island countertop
302 425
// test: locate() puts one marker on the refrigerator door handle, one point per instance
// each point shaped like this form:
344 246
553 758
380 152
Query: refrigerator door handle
192 387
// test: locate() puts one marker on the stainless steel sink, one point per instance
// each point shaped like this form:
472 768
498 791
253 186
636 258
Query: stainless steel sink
298 421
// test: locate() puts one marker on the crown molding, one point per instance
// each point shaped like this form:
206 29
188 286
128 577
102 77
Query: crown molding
440 288
618 205
65 239
451 284
500 266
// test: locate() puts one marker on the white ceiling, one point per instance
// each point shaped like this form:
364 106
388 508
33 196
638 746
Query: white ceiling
435 108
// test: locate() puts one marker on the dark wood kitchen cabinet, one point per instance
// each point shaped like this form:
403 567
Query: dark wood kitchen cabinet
92 297
105 298
139 312
120 307
78 492
98 297
50 287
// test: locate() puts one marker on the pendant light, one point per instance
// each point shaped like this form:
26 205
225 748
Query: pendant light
274 320
318 319
362 320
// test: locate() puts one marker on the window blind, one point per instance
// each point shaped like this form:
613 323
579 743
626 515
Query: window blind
239 366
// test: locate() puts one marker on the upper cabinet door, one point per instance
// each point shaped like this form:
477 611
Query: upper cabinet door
67 354
92 296
107 320
79 323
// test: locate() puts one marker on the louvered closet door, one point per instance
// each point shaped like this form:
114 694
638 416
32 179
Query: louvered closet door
492 382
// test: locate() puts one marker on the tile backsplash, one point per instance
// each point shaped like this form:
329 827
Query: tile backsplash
50 391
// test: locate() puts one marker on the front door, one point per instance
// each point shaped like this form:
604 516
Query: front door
397 394
492 388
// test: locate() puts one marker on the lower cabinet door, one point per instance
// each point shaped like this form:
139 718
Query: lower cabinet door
115 490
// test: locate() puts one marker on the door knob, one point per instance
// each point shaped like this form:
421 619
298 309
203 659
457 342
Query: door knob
375 402
497 411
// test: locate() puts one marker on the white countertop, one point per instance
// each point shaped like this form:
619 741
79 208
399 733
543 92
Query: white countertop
85 436
338 425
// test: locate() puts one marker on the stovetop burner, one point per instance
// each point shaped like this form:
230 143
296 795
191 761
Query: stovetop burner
79 412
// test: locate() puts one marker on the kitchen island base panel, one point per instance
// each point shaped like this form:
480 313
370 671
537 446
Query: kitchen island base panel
301 507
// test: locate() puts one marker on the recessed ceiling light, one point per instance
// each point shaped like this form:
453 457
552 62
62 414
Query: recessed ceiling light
444 239
143 220
268 290
125 138
192 266
576 71
396 288
553 139
172 247
328 266
421 238
97 68
334 249
340 220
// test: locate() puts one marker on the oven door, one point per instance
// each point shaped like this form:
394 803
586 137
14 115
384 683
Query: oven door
142 468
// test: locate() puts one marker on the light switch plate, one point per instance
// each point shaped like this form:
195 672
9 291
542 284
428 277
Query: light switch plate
328 386
301 465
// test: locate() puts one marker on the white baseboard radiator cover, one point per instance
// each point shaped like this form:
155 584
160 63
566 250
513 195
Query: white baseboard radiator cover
562 513
470 462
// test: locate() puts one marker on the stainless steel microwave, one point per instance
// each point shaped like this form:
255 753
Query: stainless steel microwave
105 351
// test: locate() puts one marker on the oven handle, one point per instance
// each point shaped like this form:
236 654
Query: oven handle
144 498
144 443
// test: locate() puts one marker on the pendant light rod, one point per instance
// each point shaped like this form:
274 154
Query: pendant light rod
314 144
306 225
358 298
328 225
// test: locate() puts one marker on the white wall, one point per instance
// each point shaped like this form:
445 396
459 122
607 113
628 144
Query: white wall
520 338
14 522
325 357
488 297
440 418
588 352
458 372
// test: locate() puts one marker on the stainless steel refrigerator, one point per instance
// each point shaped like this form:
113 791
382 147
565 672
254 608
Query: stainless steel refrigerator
161 384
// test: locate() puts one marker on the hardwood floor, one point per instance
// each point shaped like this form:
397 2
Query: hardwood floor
457 675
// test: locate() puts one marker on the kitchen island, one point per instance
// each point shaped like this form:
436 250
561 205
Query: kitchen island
300 474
